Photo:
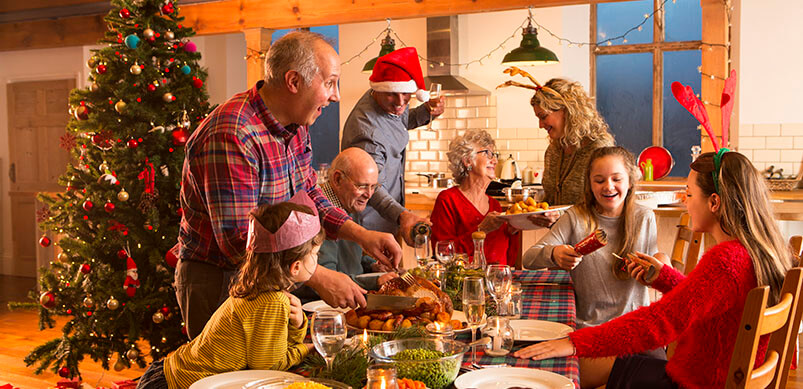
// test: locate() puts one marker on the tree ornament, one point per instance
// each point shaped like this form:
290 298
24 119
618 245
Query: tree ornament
171 257
89 303
148 33
179 136
109 207
168 97
125 13
64 372
81 112
120 106
119 365
190 47
170 35
93 86
103 166
122 254
87 205
167 8
158 317
85 268
47 300
135 69
63 257
198 83
112 303
131 282
132 354
132 41
132 144
151 88
44 241
165 171
185 121
122 196
165 310
101 69
92 62
186 69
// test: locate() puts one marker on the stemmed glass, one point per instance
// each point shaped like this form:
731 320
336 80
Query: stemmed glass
328 333
499 277
434 93
473 307
444 250
423 252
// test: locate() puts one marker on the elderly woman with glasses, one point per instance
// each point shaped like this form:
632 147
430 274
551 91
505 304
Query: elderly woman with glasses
464 209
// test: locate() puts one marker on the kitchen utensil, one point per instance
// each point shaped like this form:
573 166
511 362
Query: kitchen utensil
510 170
646 169
662 161
386 302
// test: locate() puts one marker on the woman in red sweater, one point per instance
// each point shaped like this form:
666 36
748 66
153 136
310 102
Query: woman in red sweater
466 208
726 197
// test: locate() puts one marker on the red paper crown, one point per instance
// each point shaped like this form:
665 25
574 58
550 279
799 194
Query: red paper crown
297 229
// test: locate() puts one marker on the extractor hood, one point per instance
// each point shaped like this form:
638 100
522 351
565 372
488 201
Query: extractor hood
442 47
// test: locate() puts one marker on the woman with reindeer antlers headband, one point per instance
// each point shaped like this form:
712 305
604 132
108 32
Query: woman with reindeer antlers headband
575 129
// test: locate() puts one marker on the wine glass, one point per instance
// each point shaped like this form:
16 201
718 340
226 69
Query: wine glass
434 93
423 252
473 307
499 277
328 333
444 250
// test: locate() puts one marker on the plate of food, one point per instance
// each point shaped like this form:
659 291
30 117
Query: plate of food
538 330
510 377
518 214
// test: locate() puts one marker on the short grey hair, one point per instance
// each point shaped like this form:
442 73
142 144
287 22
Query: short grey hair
462 148
294 51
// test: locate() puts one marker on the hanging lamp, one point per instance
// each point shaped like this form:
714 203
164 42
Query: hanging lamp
388 45
530 52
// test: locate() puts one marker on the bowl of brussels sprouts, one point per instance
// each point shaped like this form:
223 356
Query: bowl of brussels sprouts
435 362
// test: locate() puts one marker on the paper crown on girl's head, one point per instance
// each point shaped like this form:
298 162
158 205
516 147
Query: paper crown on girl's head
297 229
514 71
686 97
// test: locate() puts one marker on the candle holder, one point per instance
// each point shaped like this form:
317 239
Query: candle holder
440 331
437 273
381 376
501 334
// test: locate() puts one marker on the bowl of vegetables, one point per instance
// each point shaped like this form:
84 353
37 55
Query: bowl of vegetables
434 362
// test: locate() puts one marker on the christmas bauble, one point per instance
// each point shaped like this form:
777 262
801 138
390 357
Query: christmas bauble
190 47
171 258
168 97
158 317
132 354
132 41
120 106
119 366
135 69
109 207
165 310
81 112
64 372
47 300
170 35
125 13
87 205
167 8
148 33
198 83
103 166
122 254
85 268
44 241
93 87
151 88
179 136
63 257
92 62
133 143
101 69
112 303
89 302
122 196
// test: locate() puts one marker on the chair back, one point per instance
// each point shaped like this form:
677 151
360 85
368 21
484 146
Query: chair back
796 244
686 237
781 321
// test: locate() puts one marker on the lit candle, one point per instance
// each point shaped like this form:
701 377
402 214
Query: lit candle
440 331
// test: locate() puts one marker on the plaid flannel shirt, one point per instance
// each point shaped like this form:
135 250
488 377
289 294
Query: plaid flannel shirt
238 158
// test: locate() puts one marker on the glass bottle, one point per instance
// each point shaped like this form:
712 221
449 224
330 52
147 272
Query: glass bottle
478 261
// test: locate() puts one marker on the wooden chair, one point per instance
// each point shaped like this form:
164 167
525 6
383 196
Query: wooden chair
796 244
781 321
686 238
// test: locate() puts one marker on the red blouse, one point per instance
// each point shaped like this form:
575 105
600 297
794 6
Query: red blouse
454 218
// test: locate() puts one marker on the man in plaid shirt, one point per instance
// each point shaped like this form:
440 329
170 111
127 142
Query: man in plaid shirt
254 149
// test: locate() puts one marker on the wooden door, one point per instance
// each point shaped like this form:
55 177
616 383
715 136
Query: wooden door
37 118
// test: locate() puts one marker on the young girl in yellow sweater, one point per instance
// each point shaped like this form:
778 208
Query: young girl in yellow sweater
260 325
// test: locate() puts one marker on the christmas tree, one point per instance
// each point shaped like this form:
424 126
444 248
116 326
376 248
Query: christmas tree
119 214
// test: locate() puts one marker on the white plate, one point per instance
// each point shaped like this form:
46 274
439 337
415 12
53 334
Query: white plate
506 377
238 379
317 305
538 330
521 221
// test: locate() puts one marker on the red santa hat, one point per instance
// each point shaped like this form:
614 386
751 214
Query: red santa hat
399 72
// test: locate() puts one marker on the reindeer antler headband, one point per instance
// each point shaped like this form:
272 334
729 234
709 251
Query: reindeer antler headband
514 71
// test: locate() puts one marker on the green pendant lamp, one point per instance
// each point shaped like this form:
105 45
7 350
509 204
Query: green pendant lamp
530 52
388 45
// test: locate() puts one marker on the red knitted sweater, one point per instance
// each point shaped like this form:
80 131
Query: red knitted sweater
702 312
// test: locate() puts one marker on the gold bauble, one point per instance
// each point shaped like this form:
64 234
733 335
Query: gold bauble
169 35
148 33
91 62
89 302
93 87
119 366
135 69
132 354
120 106
112 304
103 167
167 97
158 317
122 196
63 257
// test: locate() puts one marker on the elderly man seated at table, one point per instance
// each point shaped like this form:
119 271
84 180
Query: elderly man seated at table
464 209
352 180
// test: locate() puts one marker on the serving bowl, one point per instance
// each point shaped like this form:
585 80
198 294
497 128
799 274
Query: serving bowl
416 359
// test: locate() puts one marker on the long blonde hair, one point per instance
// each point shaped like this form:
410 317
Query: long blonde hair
746 214
582 119
264 272
587 210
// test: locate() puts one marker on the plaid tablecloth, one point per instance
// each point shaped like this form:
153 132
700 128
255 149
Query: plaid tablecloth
547 302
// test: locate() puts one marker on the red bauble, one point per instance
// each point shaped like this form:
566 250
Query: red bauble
88 205
133 143
109 207
81 112
165 310
47 300
198 83
168 8
125 13
44 241
151 88
64 372
101 69
85 268
171 258
122 254
179 136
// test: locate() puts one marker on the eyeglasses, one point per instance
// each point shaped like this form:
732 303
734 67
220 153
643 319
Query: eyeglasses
365 188
489 153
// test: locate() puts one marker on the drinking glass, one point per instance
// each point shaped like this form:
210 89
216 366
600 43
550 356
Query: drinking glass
423 252
444 250
473 307
434 93
514 301
328 333
498 277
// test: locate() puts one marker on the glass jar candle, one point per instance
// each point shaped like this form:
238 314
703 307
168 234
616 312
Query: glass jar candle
501 334
440 331
381 376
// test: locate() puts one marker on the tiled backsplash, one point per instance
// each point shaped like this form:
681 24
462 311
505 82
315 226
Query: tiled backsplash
778 145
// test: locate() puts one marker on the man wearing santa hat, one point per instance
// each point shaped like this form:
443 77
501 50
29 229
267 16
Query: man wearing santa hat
378 124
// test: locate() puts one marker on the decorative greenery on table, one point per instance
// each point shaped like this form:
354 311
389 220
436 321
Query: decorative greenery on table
453 286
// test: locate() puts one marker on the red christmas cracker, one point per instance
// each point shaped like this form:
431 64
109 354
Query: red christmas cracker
591 243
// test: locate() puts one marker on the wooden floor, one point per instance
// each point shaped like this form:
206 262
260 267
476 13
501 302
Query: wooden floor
19 334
